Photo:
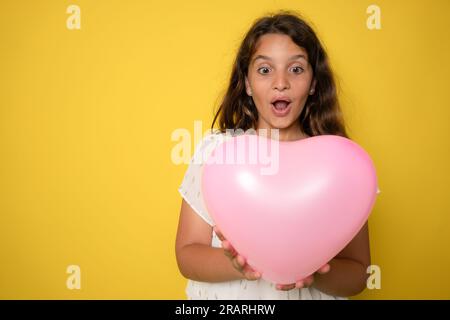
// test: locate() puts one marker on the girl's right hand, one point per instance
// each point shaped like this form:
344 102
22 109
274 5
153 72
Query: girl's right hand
238 261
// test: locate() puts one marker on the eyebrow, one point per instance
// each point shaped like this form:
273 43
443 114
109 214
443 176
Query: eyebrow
260 56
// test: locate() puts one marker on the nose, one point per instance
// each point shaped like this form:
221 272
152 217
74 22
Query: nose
280 82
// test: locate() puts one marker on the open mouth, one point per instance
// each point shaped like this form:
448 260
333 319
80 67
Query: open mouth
281 107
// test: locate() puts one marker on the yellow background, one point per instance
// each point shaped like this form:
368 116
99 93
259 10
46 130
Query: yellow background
86 118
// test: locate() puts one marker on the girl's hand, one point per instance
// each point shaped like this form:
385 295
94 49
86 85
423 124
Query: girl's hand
304 283
238 261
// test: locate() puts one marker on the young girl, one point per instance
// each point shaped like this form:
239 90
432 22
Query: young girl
281 79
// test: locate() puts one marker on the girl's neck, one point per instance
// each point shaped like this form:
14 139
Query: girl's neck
286 134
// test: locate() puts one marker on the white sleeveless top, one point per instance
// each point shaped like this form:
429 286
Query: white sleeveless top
190 190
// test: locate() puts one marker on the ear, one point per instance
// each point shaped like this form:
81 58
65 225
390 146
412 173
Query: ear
312 89
248 89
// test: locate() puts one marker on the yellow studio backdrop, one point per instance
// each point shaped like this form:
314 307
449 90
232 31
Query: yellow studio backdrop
86 117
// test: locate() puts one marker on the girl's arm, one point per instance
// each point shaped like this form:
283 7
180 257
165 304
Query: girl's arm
196 259
348 273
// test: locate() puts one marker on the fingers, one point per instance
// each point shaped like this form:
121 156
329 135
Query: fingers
218 233
304 283
324 269
308 281
237 260
250 274
228 249
241 265
285 287
299 284
226 245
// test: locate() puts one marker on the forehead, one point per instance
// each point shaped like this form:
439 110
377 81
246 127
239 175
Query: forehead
278 47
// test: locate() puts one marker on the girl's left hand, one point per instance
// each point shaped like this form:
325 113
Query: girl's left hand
304 283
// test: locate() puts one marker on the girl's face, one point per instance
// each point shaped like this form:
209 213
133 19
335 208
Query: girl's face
279 79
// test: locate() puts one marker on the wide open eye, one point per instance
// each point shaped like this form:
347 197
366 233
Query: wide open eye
262 69
299 69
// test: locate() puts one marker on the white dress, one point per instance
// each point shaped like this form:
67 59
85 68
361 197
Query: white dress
259 289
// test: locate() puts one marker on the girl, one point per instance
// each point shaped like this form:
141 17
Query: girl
281 79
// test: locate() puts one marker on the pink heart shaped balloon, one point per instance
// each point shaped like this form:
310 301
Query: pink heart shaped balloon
292 214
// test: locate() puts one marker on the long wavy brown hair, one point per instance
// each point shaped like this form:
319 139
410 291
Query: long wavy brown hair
321 113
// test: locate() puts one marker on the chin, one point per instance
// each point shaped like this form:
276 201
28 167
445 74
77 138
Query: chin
281 123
